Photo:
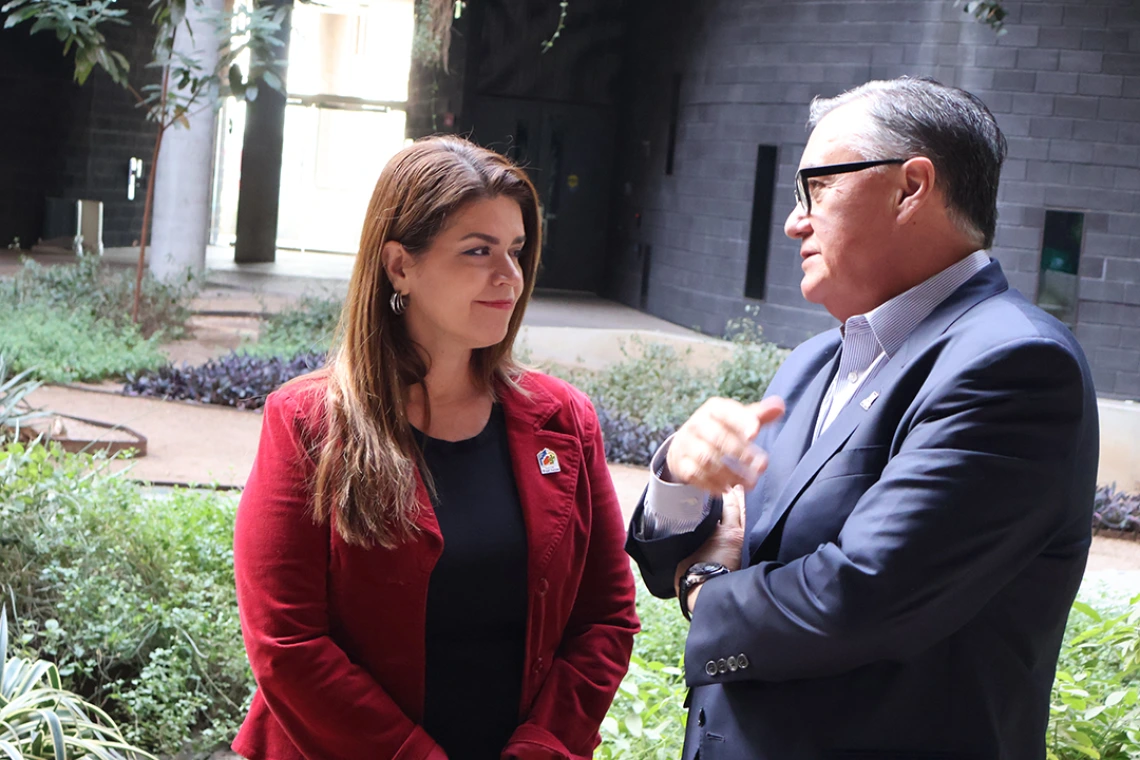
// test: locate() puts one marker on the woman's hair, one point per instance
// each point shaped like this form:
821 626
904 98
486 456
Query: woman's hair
365 475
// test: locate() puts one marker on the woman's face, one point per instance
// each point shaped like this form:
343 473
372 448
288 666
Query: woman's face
462 291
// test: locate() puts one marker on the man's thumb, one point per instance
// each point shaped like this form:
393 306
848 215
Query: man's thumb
769 410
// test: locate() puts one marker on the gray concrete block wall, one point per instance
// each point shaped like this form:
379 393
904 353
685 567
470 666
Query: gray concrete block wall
1064 84
64 140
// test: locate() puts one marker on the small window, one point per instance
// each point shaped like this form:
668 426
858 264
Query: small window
763 194
674 117
1060 263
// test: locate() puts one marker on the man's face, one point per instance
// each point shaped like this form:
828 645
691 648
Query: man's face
844 240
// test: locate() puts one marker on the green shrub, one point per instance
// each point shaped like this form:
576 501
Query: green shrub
654 388
106 293
1095 707
304 327
754 362
133 596
63 347
647 718
658 386
73 322
653 384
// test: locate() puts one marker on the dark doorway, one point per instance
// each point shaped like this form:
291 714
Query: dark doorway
567 149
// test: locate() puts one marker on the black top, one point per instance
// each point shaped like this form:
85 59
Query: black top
477 596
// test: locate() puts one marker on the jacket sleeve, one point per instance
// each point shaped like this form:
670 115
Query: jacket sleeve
976 491
598 639
329 707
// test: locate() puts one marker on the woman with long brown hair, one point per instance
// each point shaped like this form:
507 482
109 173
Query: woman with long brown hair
428 552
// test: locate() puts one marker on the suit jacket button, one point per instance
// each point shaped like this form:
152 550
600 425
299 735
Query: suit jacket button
543 585
710 668
721 666
732 664
741 661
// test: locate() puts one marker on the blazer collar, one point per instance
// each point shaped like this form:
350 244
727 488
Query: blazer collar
532 408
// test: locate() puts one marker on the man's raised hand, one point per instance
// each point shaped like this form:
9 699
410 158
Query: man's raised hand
714 451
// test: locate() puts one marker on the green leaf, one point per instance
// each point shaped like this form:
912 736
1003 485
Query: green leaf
273 81
633 724
177 12
1086 609
1092 712
1115 698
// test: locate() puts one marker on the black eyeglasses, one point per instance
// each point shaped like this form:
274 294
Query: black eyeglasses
803 197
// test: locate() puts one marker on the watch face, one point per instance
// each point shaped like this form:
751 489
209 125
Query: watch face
704 568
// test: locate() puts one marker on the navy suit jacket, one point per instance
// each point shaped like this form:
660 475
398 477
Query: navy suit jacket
907 577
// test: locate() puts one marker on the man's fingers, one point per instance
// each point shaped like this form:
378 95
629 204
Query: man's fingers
714 449
722 439
731 415
767 411
732 510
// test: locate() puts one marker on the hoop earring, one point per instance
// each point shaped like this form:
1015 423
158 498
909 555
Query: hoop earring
398 302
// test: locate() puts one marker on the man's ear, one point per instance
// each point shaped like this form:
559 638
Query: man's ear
396 261
917 187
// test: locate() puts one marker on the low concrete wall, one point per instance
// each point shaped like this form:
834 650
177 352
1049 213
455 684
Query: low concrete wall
1120 444
598 348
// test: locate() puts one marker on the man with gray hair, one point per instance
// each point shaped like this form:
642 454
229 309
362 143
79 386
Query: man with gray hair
878 558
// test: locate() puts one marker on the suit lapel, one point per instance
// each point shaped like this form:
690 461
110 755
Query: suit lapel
987 283
789 446
827 444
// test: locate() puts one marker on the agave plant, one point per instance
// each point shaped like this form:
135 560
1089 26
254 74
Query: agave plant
12 393
40 720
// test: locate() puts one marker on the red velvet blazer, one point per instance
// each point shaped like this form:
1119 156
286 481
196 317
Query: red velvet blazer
335 633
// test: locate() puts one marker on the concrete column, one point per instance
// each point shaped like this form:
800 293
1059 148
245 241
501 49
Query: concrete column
260 192
181 224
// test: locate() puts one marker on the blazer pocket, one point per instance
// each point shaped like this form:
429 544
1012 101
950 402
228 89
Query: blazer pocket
862 460
712 747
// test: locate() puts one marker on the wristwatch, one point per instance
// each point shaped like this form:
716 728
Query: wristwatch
695 576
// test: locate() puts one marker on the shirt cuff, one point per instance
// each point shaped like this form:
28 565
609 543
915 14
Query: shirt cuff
671 508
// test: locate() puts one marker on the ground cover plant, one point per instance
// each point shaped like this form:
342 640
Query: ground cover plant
73 322
291 342
1116 511
237 379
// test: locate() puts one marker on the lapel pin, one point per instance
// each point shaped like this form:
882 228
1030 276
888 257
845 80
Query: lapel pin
548 462
866 403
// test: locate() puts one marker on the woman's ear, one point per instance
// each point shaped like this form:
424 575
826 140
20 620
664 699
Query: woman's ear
917 187
396 261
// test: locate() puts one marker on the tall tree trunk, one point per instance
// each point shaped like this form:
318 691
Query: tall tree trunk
148 205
